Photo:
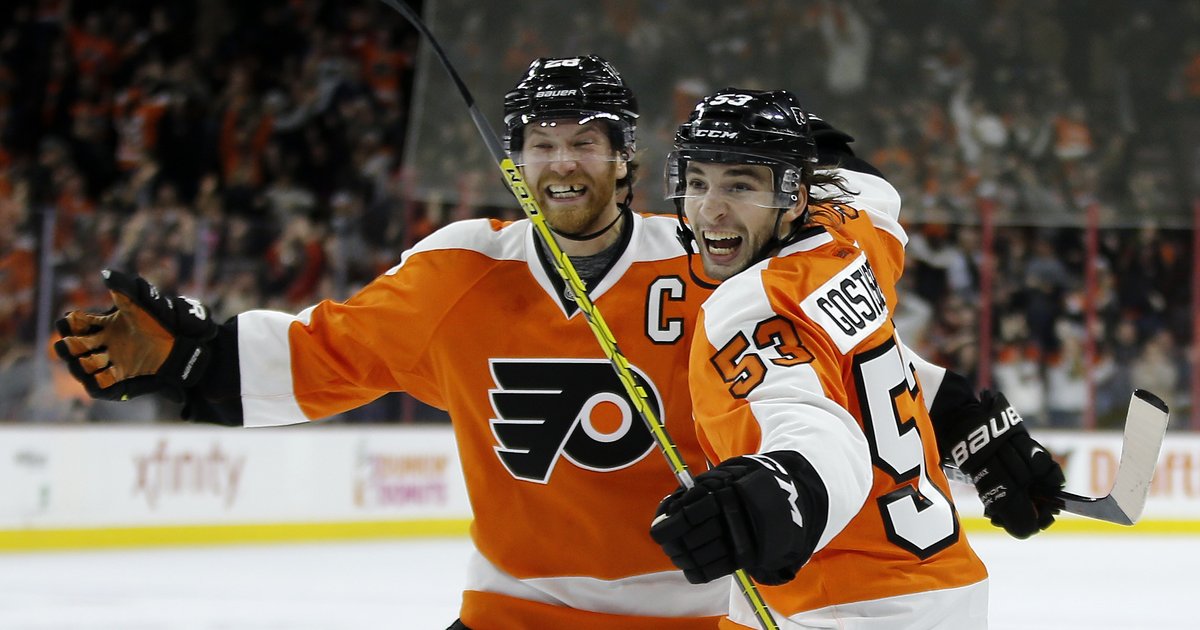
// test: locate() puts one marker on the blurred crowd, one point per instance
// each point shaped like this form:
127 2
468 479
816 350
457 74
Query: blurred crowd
256 155
1040 311
242 153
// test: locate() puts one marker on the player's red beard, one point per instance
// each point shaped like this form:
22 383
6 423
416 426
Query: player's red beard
583 214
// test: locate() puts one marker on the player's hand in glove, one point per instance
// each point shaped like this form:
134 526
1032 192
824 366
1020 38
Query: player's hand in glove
833 144
1015 476
762 513
146 343
833 148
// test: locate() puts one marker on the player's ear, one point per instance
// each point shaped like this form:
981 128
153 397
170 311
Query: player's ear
798 208
622 165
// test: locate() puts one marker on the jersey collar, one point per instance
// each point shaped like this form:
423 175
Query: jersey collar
543 270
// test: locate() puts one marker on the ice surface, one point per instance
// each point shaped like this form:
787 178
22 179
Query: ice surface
1053 581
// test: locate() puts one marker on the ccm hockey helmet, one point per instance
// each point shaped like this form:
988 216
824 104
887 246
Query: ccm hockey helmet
581 88
736 126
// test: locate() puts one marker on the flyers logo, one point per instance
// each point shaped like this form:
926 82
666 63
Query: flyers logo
577 409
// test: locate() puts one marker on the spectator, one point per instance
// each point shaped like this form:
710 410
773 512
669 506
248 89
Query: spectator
1066 378
16 283
1018 369
201 139
1156 368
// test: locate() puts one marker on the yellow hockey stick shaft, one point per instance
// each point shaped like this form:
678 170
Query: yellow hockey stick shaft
562 264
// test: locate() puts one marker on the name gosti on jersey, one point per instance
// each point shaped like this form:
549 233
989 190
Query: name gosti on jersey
562 475
799 353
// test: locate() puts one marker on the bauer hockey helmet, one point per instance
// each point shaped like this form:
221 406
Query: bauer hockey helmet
746 127
585 88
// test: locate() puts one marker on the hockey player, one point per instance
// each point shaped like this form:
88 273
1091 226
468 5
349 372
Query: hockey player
561 474
475 320
828 489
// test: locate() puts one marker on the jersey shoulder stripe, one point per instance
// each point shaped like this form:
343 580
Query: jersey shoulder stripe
658 237
807 243
867 192
654 236
844 299
874 196
498 240
736 303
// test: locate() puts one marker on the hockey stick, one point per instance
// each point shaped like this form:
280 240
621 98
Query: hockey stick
1145 428
562 264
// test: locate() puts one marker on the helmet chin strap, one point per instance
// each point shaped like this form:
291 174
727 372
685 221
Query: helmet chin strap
687 238
621 210
776 242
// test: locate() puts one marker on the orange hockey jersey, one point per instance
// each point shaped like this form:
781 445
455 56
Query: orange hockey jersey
562 475
799 353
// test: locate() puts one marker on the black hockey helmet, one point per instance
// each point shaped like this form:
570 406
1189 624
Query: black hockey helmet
585 88
746 127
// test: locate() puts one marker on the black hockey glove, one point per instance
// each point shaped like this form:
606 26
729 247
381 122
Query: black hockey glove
762 513
833 145
1016 477
833 148
146 343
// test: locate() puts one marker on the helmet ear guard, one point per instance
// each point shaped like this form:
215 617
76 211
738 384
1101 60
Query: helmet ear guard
789 181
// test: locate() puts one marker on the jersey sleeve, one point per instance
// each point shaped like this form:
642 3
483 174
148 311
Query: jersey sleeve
872 194
336 356
748 399
929 374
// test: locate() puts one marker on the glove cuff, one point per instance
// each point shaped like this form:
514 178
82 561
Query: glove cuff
188 321
788 507
184 366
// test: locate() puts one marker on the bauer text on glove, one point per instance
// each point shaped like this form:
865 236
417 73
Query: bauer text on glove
1015 476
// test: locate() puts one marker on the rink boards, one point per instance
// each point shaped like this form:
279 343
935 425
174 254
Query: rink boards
129 485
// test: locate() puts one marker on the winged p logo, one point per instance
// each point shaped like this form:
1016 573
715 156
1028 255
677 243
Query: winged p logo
547 409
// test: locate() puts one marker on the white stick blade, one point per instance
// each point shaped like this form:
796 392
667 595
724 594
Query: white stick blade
1145 427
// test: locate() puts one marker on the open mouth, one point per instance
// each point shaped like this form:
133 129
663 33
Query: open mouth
566 193
721 243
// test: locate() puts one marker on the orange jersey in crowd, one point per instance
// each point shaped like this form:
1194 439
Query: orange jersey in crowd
563 477
799 353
